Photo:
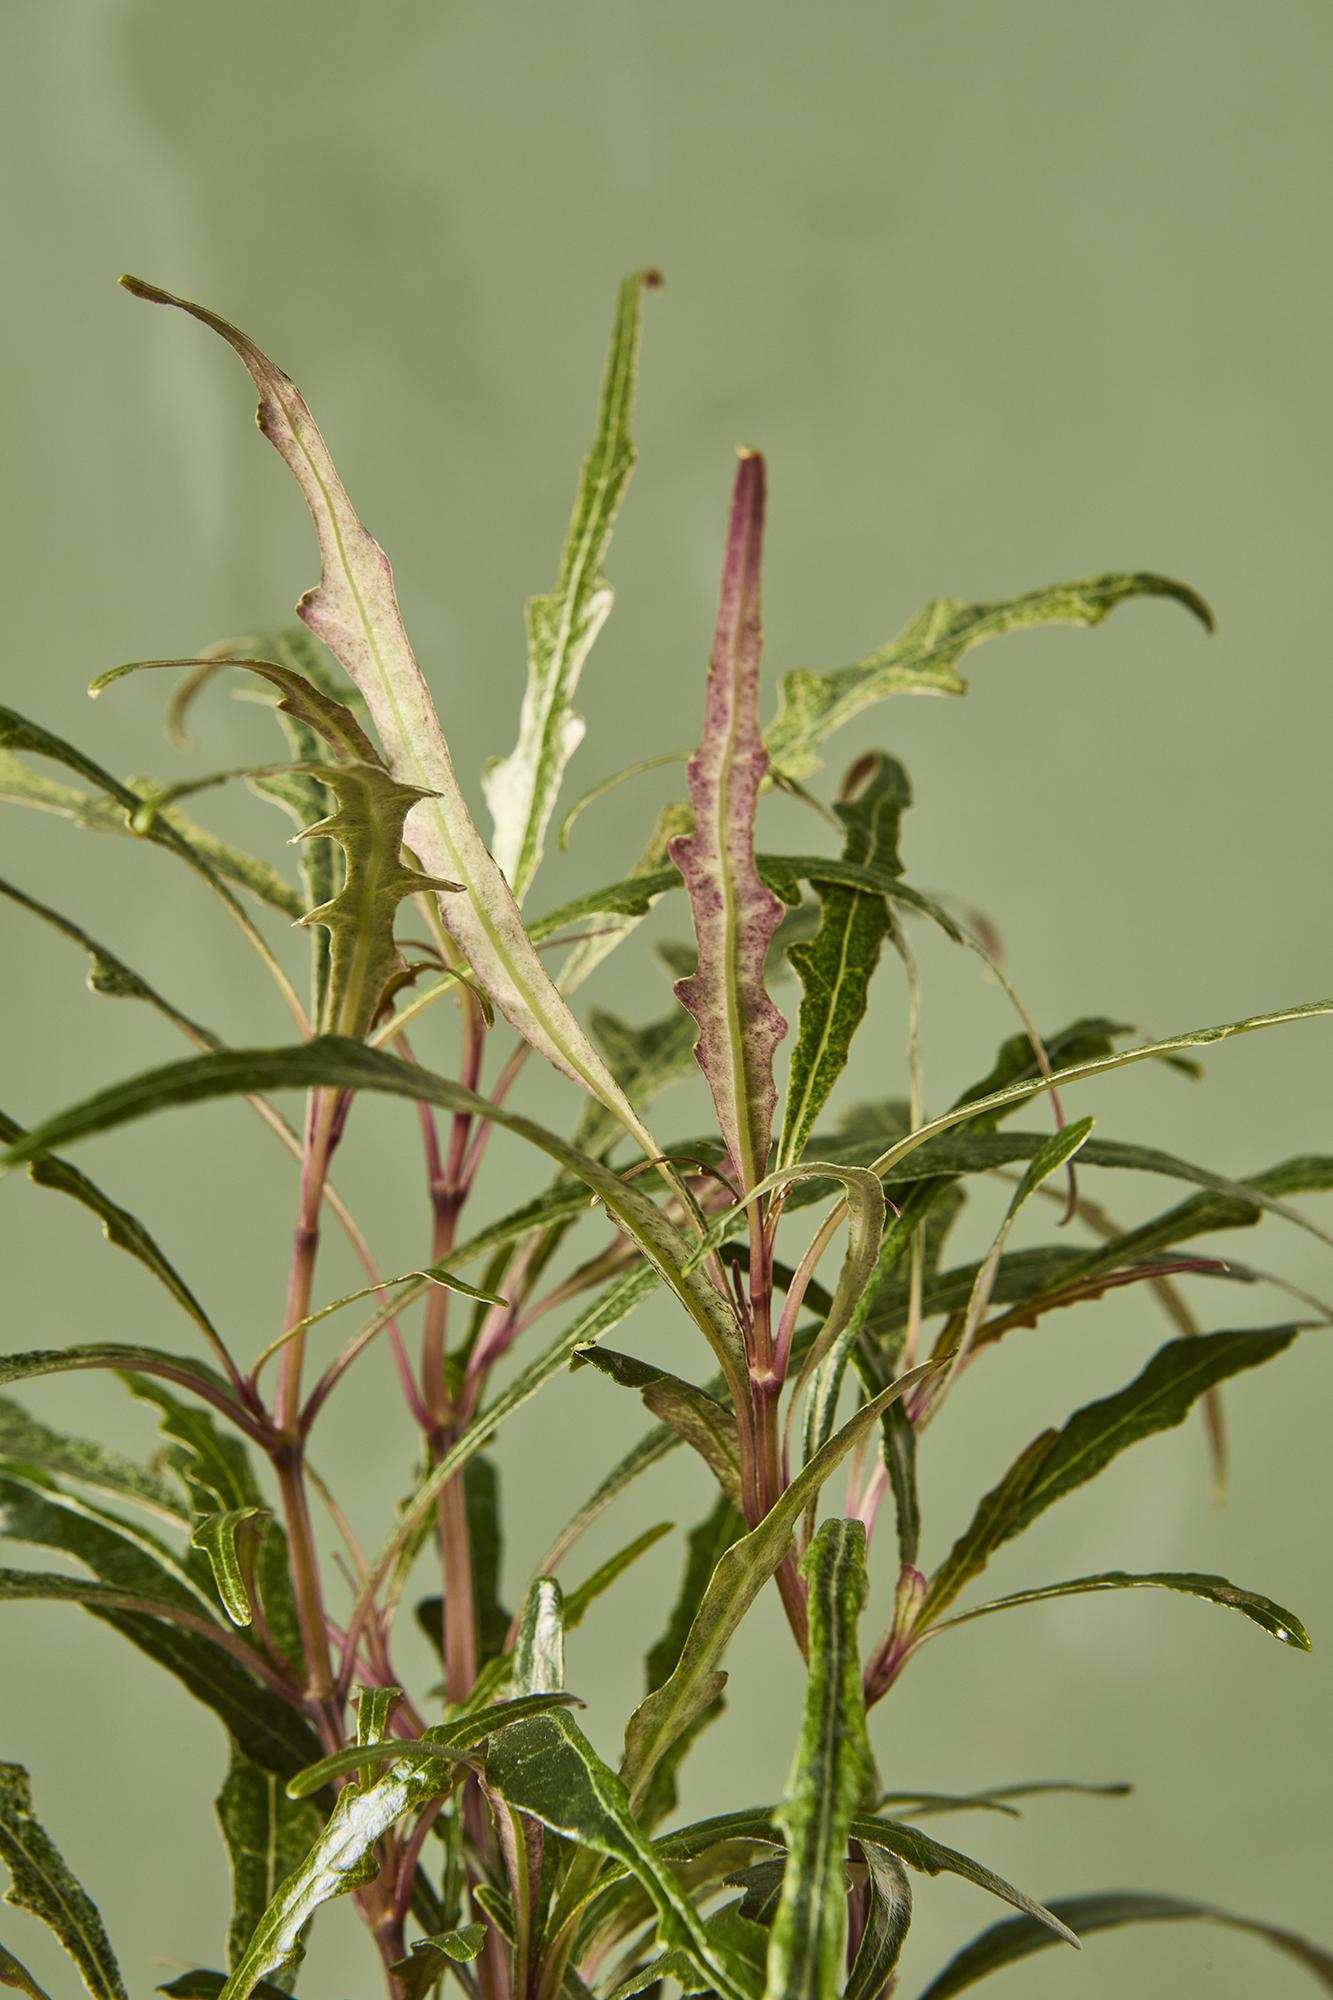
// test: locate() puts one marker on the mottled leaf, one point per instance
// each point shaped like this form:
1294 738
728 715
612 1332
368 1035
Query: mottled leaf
931 1857
735 915
887 1920
1018 1937
17 1976
429 1957
704 1548
267 1836
828 1779
924 658
41 1882
539 1650
24 1439
521 789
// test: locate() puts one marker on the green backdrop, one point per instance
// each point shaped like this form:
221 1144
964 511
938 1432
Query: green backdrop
1007 292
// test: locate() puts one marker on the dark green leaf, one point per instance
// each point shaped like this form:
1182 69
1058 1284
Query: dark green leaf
267 1836
43 1884
828 1779
704 1548
930 1857
450 1741
24 1439
1270 1617
1018 1937
14 1975
428 1958
698 1417
202 1984
887 1920
231 1541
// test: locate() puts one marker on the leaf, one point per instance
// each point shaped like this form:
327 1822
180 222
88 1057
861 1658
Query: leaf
118 1225
539 1651
230 1540
451 1741
836 966
354 610
339 1062
267 1836
605 785
18 1976
704 1548
42 1883
546 1767
301 698
996 1798
202 1984
1018 1937
1056 1462
831 1772
1270 1617
521 789
35 1510
693 1414
429 1957
887 1920
735 916
108 975
578 1600
931 1857
924 658
643 1061
24 1439
740 1574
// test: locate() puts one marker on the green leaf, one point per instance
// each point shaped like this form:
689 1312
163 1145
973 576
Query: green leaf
267 1836
931 1857
450 1741
18 1976
539 1651
836 966
546 1767
605 785
643 1061
694 1415
578 1600
739 1576
704 1548
521 789
302 699
42 1883
1057 1462
213 1468
337 1061
354 610
828 1779
107 974
924 658
735 914
202 1984
887 1920
25 1440
231 1540
118 1225
1019 1937
429 1957
1270 1617
33 1509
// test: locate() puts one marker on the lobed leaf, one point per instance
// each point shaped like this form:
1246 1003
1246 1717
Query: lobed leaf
42 1883
924 658
521 789
735 915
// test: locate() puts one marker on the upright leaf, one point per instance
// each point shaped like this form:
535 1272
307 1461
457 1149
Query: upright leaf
42 1883
924 658
539 1652
354 610
521 789
829 1778
887 1920
735 916
836 966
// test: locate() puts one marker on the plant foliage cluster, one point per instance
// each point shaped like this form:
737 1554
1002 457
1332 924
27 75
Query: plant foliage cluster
483 1839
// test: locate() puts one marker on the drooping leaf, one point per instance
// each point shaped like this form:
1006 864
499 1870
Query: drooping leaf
231 1540
108 974
267 1835
1270 1617
605 785
696 1416
836 966
521 789
35 1510
696 1680
25 1440
118 1225
1017 1937
997 1798
735 915
924 658
42 1883
539 1651
829 1778
1057 1462
546 1767
354 611
931 1857
301 698
887 1920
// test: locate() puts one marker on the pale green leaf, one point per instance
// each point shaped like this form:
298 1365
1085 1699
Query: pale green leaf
539 1650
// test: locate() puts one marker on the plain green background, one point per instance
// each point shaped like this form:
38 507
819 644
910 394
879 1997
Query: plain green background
1008 290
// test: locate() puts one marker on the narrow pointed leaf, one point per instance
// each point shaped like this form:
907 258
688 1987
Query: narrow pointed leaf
924 658
832 1769
1018 1937
997 1798
547 1767
354 610
697 1417
108 974
18 1977
521 789
428 1958
41 1883
1270 1617
267 1835
696 1681
836 966
887 1922
30 1443
539 1652
1057 1462
931 1857
451 1741
735 915
301 699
